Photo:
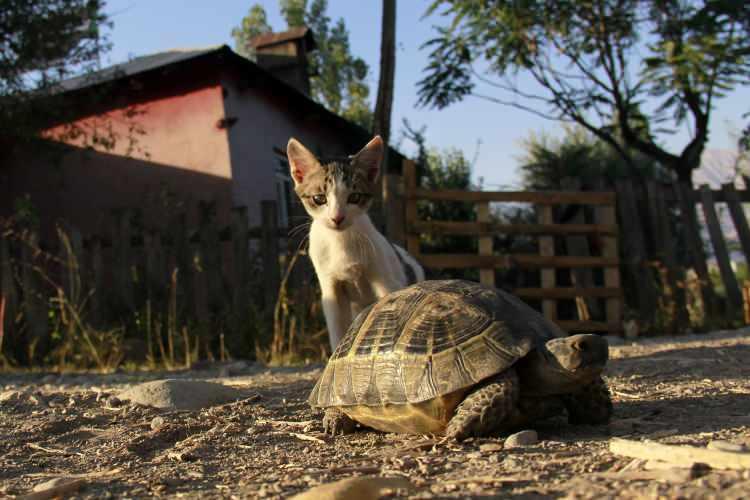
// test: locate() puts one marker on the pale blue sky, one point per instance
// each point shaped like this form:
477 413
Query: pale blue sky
147 26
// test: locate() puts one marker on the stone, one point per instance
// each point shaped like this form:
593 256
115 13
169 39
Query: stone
157 422
361 488
522 439
180 394
726 446
490 447
10 396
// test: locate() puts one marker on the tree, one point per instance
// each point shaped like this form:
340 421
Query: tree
443 168
338 79
578 154
42 43
253 24
595 63
384 102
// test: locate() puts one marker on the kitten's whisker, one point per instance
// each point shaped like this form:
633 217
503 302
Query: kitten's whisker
305 239
299 228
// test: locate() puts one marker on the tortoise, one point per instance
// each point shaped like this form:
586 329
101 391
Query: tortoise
457 358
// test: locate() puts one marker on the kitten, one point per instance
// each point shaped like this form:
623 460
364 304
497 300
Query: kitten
355 264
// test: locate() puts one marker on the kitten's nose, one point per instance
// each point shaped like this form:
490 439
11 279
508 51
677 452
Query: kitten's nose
338 219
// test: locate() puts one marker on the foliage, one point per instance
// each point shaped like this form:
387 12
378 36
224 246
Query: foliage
443 169
578 154
595 63
338 79
253 24
42 43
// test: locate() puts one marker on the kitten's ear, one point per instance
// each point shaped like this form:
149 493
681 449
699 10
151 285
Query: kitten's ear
370 157
301 160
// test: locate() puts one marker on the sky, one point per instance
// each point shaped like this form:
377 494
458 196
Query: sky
490 133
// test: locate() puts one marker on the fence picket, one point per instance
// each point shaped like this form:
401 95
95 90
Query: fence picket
734 296
738 217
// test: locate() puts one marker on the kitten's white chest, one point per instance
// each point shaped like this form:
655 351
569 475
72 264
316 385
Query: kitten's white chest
340 255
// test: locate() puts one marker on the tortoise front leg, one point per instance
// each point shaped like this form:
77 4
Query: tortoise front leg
336 421
485 408
591 405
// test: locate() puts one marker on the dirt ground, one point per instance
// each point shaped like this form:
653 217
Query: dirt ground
683 390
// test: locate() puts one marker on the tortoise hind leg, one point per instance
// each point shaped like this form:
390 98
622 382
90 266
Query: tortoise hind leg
336 421
591 405
485 408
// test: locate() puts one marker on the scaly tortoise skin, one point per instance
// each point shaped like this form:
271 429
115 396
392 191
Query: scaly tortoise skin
458 358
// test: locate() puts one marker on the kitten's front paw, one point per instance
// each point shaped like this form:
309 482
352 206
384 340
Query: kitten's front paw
337 422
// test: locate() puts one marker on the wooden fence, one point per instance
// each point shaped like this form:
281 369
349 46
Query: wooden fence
546 230
216 274
662 239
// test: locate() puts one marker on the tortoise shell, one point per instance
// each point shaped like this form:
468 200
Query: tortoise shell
408 359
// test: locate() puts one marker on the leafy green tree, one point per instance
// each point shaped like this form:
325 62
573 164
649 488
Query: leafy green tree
595 63
293 11
338 79
446 168
578 154
42 43
253 24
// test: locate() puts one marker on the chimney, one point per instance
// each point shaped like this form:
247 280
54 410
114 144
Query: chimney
285 55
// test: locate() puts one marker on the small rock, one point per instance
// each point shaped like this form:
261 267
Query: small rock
57 487
157 422
490 447
10 396
179 394
114 402
473 455
521 439
726 446
363 487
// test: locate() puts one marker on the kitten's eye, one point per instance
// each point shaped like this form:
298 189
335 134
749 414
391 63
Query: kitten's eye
356 198
319 199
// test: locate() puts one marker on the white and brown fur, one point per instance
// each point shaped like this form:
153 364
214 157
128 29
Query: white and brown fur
355 264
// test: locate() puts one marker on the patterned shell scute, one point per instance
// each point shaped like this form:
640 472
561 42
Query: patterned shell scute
429 340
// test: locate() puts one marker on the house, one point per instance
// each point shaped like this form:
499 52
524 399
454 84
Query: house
203 124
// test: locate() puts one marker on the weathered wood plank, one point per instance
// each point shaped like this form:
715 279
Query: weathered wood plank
7 284
486 275
412 216
694 196
490 228
682 455
664 241
567 292
635 261
122 240
270 251
734 296
738 217
579 245
538 198
34 296
394 208
464 261
613 305
237 343
684 194
547 249
573 326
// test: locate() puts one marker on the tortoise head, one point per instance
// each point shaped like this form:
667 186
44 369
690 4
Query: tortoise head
563 365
